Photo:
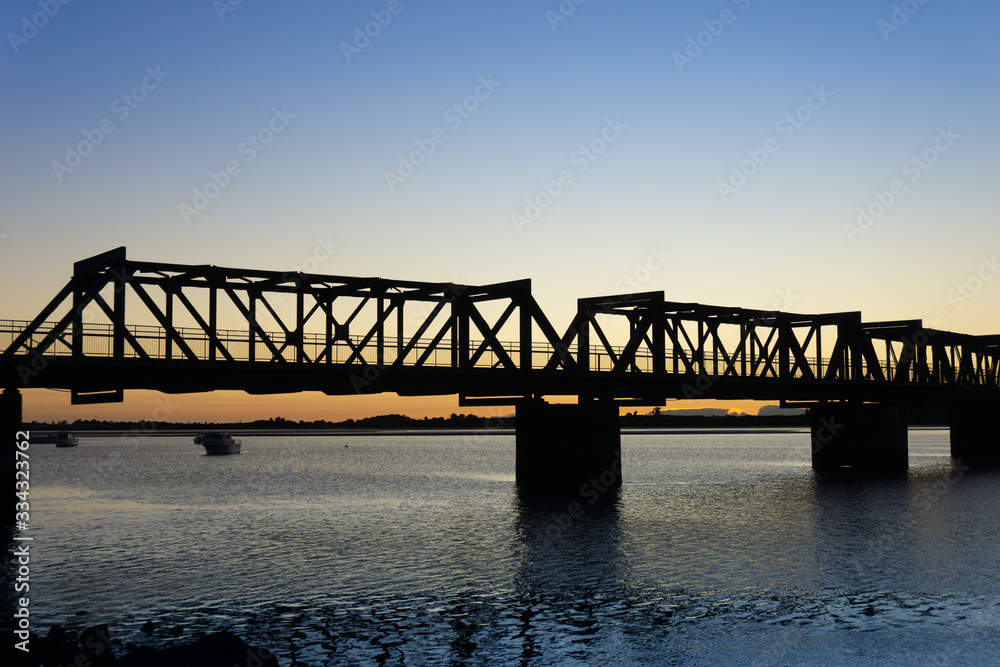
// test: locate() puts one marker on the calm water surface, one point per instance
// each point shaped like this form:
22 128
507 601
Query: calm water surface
418 550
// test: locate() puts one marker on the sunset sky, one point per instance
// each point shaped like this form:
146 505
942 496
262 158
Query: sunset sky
804 156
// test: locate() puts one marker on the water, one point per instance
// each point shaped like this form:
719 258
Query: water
418 550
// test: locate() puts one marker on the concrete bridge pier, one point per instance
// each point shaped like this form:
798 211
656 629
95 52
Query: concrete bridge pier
975 438
566 447
862 436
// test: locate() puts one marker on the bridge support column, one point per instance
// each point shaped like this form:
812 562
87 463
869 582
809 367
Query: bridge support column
974 435
569 447
10 424
861 436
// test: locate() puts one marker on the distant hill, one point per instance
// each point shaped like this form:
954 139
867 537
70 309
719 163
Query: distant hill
775 410
696 412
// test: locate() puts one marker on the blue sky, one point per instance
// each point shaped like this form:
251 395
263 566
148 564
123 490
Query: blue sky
673 130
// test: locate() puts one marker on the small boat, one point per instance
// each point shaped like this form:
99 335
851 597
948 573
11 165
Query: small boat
66 439
217 442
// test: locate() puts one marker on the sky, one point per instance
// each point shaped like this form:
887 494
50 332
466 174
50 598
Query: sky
801 156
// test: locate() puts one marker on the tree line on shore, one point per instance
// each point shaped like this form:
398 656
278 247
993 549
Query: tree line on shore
397 421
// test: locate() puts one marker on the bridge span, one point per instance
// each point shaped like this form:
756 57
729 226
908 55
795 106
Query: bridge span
123 324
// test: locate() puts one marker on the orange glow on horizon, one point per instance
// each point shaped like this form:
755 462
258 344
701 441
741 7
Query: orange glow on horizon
237 406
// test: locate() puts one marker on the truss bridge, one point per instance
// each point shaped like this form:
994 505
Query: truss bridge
122 324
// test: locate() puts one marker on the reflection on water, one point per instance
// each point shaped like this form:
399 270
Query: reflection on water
419 550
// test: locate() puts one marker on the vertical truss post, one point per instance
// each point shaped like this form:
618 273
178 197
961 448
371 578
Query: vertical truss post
842 351
380 332
524 312
461 307
328 312
819 352
454 332
659 337
213 303
119 310
700 353
583 336
906 365
300 325
169 344
715 347
400 323
676 340
744 333
78 306
784 346
855 346
252 325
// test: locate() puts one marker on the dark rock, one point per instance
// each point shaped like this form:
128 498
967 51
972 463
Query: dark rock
148 627
96 644
220 649
56 648
144 656
177 631
56 634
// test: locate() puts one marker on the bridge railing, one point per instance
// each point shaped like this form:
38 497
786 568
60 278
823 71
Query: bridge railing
941 364
98 341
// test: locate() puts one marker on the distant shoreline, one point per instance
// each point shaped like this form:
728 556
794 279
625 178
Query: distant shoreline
402 424
457 425
676 430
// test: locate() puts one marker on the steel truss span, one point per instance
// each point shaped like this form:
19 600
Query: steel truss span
122 324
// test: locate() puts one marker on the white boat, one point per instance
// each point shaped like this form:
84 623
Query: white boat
217 442
66 439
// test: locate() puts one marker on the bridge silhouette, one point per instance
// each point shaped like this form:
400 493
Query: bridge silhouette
122 324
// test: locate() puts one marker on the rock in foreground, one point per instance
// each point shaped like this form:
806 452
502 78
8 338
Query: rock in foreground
220 649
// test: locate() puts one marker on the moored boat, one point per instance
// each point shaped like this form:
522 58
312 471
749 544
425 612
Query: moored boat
66 439
218 442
